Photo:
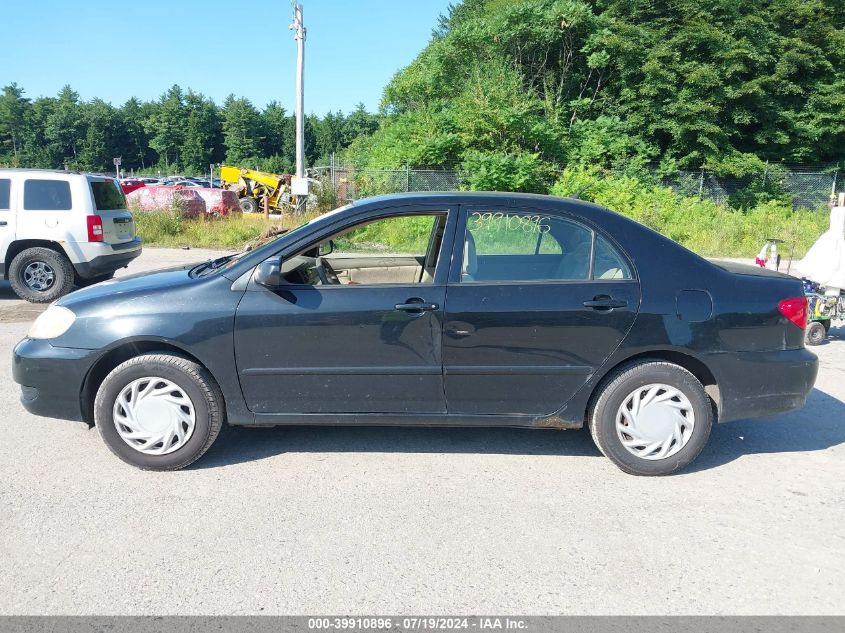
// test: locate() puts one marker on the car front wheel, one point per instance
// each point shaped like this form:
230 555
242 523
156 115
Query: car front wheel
651 418
159 411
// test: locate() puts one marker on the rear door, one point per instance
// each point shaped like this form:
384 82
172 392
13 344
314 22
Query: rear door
536 302
7 219
110 205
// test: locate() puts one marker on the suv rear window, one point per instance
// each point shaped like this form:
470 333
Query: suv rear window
46 195
107 195
5 188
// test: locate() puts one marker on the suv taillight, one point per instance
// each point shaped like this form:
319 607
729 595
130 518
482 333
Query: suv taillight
795 309
95 228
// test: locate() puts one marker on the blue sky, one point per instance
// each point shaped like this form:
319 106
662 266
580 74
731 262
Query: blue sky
116 50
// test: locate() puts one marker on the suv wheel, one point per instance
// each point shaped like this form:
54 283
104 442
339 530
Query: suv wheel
159 412
651 418
41 275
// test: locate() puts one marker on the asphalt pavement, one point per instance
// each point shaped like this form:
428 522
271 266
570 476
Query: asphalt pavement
436 521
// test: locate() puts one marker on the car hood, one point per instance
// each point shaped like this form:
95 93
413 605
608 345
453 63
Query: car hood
131 287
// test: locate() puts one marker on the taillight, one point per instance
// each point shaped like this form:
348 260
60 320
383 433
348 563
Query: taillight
95 228
795 309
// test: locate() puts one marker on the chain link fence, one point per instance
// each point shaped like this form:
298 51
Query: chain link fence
806 186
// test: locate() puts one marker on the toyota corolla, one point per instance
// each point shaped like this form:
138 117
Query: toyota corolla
439 309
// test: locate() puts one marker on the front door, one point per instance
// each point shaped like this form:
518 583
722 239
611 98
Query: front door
536 302
7 220
356 326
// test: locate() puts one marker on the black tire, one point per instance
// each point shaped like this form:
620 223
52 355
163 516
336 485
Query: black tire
57 263
197 383
81 282
623 382
248 205
816 333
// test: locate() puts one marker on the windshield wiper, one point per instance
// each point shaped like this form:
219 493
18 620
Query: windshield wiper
213 264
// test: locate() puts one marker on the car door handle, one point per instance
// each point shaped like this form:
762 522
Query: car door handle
603 302
3 223
416 306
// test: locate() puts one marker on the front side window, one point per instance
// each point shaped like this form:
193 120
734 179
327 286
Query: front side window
107 196
5 194
396 250
46 195
525 246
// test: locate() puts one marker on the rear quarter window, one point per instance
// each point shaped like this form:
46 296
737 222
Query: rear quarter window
107 196
5 190
47 195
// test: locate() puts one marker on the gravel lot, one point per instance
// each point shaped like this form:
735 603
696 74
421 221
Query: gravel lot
391 520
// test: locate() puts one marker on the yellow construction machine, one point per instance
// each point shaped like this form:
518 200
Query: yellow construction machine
251 187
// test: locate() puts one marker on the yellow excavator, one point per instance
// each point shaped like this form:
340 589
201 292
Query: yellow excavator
251 187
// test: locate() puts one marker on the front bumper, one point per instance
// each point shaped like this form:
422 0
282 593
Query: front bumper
52 378
113 257
756 384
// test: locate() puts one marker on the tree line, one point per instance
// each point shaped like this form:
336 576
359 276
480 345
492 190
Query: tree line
519 87
182 131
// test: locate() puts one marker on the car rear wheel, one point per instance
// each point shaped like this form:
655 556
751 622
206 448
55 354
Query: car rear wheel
816 333
249 205
651 418
41 275
159 411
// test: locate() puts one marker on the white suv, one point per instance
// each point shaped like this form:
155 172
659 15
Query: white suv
61 228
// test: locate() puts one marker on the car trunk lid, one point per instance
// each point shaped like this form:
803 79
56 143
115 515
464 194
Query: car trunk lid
118 225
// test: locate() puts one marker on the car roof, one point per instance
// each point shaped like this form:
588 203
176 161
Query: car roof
481 197
38 170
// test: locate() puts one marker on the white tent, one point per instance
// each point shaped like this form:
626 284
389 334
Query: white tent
825 261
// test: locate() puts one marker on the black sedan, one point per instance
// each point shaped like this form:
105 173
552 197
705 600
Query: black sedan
430 309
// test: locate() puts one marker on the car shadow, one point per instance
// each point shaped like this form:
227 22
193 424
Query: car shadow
6 292
816 427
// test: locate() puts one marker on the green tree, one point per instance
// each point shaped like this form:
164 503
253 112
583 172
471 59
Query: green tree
13 113
65 126
101 142
202 133
166 125
241 130
135 139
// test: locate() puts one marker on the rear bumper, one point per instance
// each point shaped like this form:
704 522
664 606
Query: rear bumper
756 384
52 378
108 258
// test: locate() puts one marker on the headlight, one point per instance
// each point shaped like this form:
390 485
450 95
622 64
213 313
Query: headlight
52 323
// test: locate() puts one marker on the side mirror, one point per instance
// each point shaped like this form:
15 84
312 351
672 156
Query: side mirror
269 274
326 248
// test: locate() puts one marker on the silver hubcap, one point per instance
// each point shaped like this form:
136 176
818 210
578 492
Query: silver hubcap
39 276
154 416
655 421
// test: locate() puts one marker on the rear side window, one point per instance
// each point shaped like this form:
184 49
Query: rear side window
46 195
609 263
5 189
107 196
518 246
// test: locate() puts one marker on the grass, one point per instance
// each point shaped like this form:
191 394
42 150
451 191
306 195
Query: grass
169 229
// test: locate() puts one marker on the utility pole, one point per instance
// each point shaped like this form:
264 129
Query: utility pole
299 186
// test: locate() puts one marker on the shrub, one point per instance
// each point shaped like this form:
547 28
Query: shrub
701 225
498 171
